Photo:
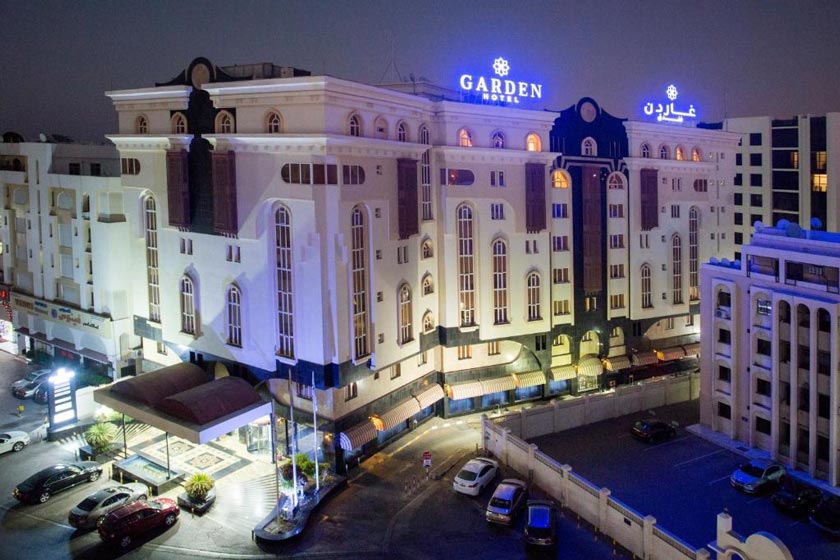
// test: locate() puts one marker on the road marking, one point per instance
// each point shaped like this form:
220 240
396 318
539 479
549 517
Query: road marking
661 445
715 481
698 458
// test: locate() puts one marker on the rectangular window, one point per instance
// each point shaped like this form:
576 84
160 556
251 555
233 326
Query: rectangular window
819 182
739 159
423 358
724 336
762 425
351 391
465 352
161 348
616 210
75 169
616 271
756 200
497 211
755 179
493 348
724 411
689 320
755 160
560 210
617 241
739 219
560 243
762 387
561 307
497 179
560 275
764 307
644 241
755 139
675 210
590 303
739 180
763 347
617 301
402 254
676 184
739 240
739 199
396 371
96 170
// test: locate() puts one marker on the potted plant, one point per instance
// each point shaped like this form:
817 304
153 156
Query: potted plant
98 438
199 493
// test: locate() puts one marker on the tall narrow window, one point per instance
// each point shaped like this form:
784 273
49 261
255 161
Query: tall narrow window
406 330
465 139
426 176
676 264
141 125
273 123
646 150
663 152
695 154
559 179
152 272
224 123
679 153
234 316
466 266
589 148
402 132
283 263
693 254
533 143
498 139
533 296
500 282
179 124
355 125
187 305
615 181
646 287
361 327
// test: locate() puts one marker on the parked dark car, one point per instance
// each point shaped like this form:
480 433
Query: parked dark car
137 518
41 395
826 516
541 525
795 497
42 485
652 430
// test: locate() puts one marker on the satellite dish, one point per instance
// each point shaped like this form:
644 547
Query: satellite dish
42 137
758 225
816 223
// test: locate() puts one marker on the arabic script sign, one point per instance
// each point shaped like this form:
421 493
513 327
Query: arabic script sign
89 322
668 112
501 88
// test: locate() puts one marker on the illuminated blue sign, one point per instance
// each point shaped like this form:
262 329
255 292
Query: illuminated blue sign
499 89
669 113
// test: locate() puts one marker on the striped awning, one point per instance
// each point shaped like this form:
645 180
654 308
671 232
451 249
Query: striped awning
644 358
692 350
562 373
430 396
590 367
506 383
465 390
616 363
530 379
399 413
673 353
357 436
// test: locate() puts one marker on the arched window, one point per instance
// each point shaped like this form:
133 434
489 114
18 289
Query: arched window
647 302
360 278
588 147
500 282
663 152
559 179
428 322
187 305
693 254
283 270
152 272
234 316
466 266
380 128
676 269
465 138
406 332
615 181
695 154
224 123
533 143
645 150
428 285
679 153
273 123
402 132
426 249
355 125
533 298
426 175
141 125
179 123
498 139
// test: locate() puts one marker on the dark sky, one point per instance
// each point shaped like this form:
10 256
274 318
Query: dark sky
747 57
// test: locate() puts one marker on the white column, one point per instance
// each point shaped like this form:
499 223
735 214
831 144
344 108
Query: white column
775 407
812 392
794 382
834 395
603 495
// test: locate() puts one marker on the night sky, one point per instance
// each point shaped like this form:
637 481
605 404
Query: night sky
738 57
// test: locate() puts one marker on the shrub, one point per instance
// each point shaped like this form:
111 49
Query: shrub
198 486
304 464
100 435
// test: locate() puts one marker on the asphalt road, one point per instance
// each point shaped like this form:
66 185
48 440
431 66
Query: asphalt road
683 482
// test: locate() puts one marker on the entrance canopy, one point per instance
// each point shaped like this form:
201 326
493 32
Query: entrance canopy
185 401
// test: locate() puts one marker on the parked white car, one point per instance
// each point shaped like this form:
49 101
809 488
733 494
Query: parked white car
475 475
13 441
92 510
31 377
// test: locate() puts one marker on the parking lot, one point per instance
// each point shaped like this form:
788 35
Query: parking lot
683 482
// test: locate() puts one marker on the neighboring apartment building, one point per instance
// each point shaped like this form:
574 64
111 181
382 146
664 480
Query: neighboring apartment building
62 227
769 360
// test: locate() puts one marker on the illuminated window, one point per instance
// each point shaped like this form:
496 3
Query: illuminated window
187 305
402 132
500 276
428 322
533 142
234 316
465 352
273 123
179 124
465 139
152 272
224 123
819 182
696 155
679 154
466 266
819 161
498 140
426 176
676 269
645 150
588 147
533 282
559 179
406 331
141 125
428 285
360 283
426 249
693 254
646 287
283 264
615 181
663 152
355 125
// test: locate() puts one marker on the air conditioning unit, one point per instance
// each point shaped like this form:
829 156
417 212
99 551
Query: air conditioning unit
721 314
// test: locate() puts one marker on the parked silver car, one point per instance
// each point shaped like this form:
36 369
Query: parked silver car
509 496
757 475
32 377
92 510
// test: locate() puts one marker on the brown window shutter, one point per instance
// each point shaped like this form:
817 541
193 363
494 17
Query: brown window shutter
225 219
535 209
649 198
407 205
178 188
592 230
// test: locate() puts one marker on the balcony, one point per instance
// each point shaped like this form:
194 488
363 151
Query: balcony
722 312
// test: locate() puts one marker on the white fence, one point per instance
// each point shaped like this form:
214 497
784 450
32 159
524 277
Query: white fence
637 533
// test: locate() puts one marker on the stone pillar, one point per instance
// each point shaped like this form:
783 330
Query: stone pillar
532 450
555 407
603 494
813 405
484 432
647 536
523 424
503 452
703 554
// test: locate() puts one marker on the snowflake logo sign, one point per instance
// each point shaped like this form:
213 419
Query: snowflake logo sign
671 92
501 67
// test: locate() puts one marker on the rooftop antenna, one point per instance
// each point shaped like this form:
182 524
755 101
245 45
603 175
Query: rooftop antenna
392 62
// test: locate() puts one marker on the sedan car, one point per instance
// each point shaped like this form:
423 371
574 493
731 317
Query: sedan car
508 497
652 430
42 485
41 395
475 475
92 510
13 441
28 390
826 516
37 375
541 525
796 498
132 520
757 475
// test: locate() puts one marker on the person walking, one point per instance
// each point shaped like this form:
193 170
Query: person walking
20 410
